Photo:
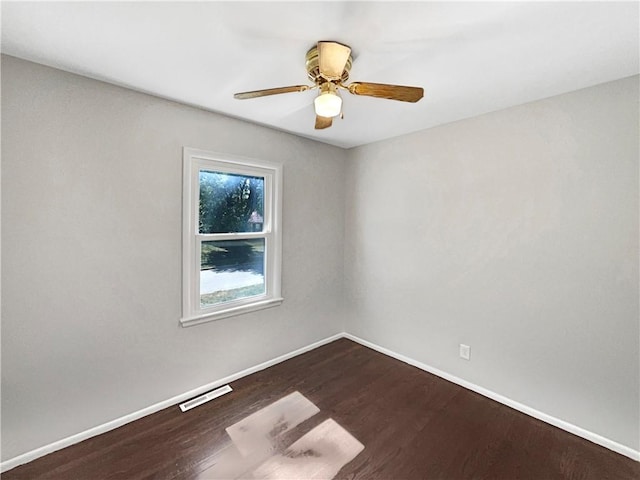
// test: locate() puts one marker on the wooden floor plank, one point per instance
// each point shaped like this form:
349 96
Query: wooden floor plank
413 425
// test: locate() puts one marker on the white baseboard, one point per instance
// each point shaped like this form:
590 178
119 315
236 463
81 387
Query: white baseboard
105 427
118 422
556 422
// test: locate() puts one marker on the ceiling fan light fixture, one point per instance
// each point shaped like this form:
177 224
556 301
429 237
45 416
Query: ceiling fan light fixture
328 103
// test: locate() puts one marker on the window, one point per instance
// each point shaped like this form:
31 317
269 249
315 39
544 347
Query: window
231 240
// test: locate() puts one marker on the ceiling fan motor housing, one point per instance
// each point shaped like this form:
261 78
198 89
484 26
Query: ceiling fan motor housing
313 67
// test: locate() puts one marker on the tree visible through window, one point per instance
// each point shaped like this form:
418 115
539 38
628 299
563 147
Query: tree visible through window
228 201
233 206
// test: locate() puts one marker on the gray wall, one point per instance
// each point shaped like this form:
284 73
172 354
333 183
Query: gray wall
516 233
91 253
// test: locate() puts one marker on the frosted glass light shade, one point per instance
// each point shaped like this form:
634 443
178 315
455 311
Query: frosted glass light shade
328 104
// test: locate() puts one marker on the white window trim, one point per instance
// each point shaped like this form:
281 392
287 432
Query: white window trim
193 160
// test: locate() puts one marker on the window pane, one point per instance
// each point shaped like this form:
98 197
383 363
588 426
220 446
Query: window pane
230 203
231 269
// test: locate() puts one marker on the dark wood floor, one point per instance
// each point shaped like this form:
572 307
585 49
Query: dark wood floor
413 425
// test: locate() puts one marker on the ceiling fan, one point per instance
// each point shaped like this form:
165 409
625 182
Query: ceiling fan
328 65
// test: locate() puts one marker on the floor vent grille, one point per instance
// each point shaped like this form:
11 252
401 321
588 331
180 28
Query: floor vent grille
194 402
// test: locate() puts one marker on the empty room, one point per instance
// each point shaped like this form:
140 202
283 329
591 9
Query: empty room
318 240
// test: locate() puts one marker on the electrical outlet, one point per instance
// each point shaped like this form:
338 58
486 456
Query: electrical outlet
465 351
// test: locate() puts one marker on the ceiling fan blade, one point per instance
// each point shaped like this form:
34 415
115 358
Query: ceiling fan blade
332 58
392 92
323 122
271 91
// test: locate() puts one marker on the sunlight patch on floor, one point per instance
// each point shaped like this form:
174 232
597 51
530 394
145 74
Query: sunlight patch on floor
256 453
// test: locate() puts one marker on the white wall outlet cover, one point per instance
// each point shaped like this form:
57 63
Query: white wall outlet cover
465 351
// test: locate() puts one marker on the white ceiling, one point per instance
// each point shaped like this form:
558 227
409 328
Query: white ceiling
471 57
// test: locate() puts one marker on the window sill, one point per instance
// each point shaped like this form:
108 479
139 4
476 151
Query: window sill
230 312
